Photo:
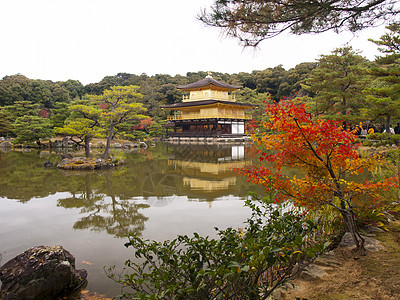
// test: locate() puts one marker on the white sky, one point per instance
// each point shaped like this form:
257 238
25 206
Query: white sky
86 40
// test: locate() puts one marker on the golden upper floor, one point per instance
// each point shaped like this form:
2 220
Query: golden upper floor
208 98
215 110
208 94
207 89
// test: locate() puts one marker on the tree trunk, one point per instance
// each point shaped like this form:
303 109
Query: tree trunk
349 219
387 124
87 147
108 144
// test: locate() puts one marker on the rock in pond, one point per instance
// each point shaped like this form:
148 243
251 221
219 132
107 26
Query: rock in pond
66 155
47 164
81 163
43 272
5 145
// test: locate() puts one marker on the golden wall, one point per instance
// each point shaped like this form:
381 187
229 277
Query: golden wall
207 95
225 111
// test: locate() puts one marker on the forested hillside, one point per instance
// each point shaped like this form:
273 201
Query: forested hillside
342 85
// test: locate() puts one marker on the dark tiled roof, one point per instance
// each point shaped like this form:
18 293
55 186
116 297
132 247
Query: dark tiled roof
206 82
204 102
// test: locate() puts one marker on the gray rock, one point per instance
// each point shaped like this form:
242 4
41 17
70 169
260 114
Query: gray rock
56 144
5 145
48 164
311 273
66 142
128 145
43 272
66 155
116 145
82 163
371 243
2 138
327 260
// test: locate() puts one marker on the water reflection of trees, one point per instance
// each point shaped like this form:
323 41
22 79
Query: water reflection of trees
113 200
110 213
23 177
159 172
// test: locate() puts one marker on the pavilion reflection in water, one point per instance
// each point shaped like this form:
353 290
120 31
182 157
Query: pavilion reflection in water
209 170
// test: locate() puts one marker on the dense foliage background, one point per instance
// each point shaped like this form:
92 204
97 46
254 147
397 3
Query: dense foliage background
341 85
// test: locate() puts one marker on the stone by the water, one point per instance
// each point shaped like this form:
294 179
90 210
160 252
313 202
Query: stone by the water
47 164
81 163
66 155
43 272
5 145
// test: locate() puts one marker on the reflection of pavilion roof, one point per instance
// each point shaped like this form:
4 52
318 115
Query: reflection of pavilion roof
209 167
209 185
205 102
207 82
160 201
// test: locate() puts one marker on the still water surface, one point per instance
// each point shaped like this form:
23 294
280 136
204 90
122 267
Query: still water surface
159 192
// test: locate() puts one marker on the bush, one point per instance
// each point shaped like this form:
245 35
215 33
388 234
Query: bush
381 139
240 264
389 169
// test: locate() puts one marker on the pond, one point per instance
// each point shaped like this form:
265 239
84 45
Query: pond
159 192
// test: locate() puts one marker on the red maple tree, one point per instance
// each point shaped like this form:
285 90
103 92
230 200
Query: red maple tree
325 153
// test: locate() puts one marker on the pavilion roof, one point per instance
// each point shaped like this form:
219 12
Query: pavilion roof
205 102
207 82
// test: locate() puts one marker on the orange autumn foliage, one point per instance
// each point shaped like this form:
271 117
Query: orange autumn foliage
324 152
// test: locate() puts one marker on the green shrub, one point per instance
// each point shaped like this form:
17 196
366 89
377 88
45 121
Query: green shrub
117 156
244 263
389 169
381 139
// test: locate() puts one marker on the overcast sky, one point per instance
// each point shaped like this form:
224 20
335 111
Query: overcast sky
86 40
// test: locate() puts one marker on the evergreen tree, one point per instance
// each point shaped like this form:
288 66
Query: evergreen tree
253 21
383 100
5 121
23 119
83 123
156 128
337 83
119 105
32 129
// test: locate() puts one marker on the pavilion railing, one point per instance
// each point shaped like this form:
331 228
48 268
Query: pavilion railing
199 116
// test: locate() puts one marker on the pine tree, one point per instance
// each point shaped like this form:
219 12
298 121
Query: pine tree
383 100
337 83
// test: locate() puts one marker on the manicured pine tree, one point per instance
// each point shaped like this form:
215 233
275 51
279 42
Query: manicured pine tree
119 105
83 123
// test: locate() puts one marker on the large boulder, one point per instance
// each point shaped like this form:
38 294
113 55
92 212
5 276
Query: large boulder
43 272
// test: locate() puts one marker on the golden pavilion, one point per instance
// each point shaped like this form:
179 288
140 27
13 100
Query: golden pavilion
208 111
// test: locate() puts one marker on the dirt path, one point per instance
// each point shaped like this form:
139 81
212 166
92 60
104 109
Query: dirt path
374 276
